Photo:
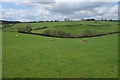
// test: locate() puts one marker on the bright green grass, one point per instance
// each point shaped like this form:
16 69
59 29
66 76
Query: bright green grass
30 56
0 54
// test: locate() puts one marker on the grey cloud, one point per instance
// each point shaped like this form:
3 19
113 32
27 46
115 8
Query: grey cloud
72 10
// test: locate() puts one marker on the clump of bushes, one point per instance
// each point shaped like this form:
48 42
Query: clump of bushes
56 33
40 28
26 29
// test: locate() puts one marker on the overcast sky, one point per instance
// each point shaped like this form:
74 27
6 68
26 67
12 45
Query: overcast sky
37 11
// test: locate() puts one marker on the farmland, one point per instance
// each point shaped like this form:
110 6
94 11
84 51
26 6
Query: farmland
33 56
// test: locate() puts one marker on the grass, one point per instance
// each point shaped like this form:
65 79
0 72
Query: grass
31 56
0 54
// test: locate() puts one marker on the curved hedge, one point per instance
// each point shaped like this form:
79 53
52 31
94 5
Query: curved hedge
62 34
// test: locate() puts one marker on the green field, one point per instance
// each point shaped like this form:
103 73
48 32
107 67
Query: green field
76 27
33 56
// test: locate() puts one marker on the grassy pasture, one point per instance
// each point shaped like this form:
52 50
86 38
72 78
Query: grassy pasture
81 26
76 27
32 56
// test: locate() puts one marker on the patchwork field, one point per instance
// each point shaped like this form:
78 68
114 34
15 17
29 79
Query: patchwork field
33 56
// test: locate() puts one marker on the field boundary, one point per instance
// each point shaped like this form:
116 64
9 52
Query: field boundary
72 37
